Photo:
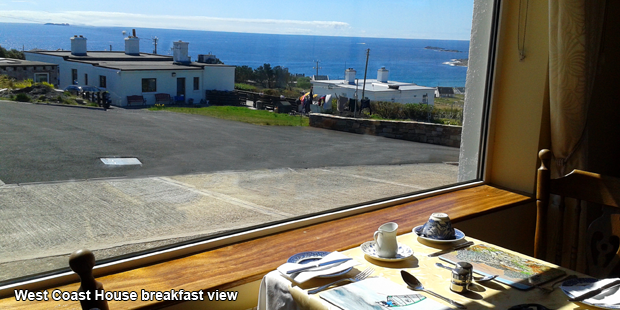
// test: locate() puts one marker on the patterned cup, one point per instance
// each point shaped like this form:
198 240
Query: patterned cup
438 227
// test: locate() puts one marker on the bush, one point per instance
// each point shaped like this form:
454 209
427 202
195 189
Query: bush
388 110
22 98
271 92
246 87
42 98
418 111
304 82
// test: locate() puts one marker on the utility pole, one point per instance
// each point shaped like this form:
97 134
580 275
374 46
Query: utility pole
317 67
365 71
155 43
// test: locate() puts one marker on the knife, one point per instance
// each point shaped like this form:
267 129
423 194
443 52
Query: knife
331 262
594 292
454 248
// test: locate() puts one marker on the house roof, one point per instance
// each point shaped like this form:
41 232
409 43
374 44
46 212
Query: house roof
445 90
118 60
11 62
374 85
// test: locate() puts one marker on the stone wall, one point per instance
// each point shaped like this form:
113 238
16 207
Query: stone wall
28 72
406 130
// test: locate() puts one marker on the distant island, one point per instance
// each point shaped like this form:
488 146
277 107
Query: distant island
57 24
457 62
441 49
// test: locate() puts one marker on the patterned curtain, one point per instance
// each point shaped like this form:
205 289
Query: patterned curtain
575 28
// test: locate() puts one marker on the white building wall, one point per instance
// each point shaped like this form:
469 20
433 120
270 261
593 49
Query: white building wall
218 78
131 84
401 96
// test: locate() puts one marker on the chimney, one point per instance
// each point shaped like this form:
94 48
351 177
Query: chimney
78 46
349 76
180 52
132 46
382 75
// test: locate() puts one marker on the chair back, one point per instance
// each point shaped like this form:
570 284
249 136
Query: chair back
602 238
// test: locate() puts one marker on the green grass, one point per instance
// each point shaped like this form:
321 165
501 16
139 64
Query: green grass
241 114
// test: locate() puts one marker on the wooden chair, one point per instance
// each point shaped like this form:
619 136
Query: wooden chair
602 244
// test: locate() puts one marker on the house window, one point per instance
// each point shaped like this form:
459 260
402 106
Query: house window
41 77
102 81
196 83
74 77
85 79
149 85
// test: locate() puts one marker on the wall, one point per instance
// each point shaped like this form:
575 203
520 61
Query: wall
404 130
401 96
218 77
28 72
166 83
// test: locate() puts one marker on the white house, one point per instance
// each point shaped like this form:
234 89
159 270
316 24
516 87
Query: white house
379 89
131 73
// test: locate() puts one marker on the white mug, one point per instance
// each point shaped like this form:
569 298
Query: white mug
385 238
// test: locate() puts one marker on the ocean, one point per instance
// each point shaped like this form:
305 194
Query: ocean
407 59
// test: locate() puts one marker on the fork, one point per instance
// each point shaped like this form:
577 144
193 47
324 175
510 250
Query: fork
359 277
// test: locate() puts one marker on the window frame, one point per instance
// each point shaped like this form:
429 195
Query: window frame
103 82
149 82
47 77
74 77
157 255
196 83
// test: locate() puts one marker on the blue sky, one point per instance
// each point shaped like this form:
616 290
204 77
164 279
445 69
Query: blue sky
415 19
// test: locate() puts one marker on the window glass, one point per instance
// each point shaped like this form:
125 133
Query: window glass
41 77
149 85
364 101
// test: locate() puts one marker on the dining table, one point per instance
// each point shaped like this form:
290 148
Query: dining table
280 292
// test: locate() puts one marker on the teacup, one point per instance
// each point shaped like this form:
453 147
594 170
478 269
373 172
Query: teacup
438 227
385 239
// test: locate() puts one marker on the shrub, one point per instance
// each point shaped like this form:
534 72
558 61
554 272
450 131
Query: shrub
418 111
246 87
304 82
42 98
388 110
23 84
22 98
271 92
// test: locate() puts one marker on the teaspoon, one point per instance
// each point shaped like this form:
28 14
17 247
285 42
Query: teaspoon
416 285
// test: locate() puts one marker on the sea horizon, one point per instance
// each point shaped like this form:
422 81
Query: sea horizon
407 59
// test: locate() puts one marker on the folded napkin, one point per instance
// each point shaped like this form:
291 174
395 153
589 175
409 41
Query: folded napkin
318 271
610 296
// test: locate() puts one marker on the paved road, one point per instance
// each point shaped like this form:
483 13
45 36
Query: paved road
205 176
42 143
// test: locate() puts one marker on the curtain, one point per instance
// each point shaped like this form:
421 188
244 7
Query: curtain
575 29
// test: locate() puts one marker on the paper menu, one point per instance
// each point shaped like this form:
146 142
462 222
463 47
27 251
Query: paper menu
379 294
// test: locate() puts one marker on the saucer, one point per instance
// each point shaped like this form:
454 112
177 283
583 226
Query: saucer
311 256
459 235
370 248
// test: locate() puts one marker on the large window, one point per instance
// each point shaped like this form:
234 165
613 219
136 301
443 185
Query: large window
149 85
138 181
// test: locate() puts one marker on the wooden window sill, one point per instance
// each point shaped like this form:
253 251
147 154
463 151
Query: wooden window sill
236 264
